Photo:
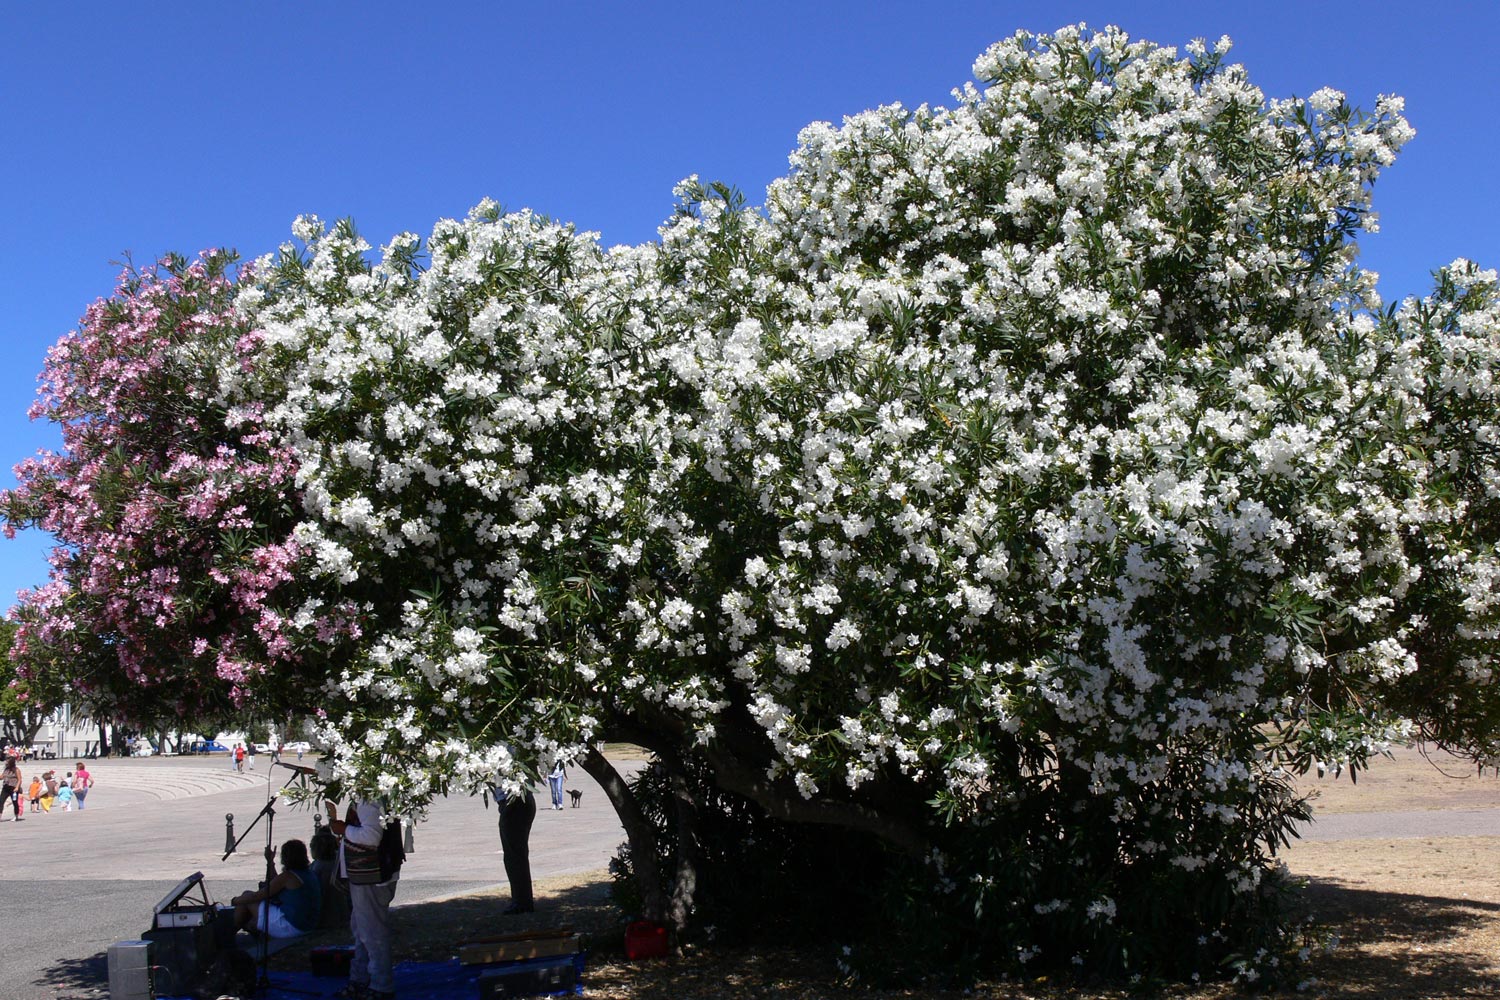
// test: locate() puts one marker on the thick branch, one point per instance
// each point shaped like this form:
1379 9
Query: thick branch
689 849
749 781
638 830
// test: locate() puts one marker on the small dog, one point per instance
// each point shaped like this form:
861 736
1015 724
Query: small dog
576 796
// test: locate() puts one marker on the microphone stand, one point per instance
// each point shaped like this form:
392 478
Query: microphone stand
299 774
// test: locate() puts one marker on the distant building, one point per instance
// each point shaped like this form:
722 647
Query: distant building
62 735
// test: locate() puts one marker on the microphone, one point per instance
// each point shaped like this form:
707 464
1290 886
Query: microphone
312 771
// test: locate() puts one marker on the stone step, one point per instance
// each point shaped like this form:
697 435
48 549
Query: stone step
164 780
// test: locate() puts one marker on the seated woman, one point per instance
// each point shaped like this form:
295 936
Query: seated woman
289 906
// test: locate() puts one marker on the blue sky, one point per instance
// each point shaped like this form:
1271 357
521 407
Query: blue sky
148 128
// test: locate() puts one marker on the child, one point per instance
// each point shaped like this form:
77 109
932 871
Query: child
35 793
65 797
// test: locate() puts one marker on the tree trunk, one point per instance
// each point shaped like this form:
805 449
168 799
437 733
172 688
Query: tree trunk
737 775
689 854
638 830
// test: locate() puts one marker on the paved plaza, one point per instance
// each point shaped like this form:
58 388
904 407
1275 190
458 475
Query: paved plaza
74 883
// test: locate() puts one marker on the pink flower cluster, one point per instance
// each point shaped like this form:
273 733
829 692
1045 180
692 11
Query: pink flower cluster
175 565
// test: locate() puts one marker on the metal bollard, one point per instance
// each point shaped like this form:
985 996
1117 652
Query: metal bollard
408 841
229 833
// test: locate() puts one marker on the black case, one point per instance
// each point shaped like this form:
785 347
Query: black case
533 977
331 960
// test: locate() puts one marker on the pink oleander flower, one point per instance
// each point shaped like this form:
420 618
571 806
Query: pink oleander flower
175 554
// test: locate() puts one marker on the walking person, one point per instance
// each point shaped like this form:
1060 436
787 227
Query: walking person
370 857
239 757
35 793
82 782
49 790
555 784
65 796
10 778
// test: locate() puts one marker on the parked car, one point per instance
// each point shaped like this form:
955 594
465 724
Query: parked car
262 747
297 746
143 749
207 746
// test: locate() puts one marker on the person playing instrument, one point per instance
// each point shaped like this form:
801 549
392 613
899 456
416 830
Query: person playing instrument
370 857
289 904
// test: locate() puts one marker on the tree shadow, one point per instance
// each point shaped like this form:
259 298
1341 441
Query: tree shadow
1392 945
1399 944
432 931
77 978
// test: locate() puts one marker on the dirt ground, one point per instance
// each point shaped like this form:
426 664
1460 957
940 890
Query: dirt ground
1415 919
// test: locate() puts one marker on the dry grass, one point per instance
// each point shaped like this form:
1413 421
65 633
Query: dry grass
1419 919
1408 781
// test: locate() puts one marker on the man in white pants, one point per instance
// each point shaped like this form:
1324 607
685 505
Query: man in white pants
371 890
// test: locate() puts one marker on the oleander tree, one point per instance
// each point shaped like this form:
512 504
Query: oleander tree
173 581
1032 487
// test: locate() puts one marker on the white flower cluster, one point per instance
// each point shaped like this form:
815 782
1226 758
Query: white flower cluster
1051 441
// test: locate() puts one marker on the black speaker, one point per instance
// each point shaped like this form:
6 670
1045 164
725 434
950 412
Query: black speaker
180 956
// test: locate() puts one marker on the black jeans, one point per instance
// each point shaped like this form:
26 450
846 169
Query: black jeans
516 815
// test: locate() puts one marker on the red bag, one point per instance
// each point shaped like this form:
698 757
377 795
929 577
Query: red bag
644 939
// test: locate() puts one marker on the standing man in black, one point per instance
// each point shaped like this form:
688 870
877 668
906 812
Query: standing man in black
516 815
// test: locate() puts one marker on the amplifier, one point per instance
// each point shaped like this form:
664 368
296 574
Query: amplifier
184 916
181 956
130 970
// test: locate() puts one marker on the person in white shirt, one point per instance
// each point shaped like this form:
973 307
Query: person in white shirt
372 886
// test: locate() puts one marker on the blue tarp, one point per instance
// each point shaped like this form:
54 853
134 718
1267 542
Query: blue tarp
414 981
